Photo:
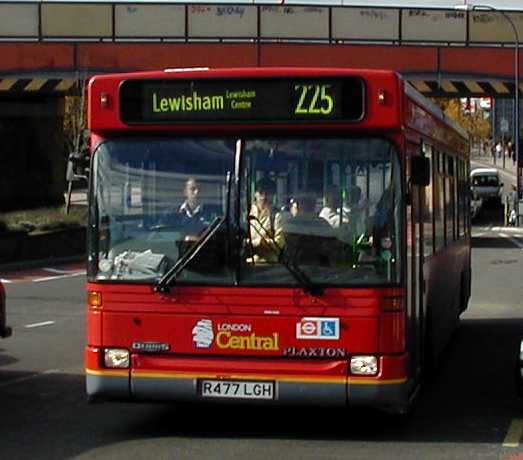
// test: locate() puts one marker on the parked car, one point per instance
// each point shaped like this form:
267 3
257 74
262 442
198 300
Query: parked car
5 331
486 185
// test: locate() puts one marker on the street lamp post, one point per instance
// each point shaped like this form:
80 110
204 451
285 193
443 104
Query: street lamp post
516 88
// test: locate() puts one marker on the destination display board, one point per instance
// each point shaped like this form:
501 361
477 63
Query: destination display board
242 100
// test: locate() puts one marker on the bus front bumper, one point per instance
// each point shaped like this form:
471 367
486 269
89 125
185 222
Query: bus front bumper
322 383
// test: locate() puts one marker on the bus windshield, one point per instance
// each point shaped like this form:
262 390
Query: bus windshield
253 211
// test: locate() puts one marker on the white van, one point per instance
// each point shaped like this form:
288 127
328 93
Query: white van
485 184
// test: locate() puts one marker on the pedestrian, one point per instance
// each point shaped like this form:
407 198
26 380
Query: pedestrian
499 149
509 149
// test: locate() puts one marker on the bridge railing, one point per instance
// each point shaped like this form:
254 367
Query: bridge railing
99 21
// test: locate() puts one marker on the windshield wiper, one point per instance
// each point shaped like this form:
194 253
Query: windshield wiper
298 274
164 284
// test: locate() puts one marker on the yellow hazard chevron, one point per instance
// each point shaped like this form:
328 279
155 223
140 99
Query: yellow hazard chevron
36 85
434 86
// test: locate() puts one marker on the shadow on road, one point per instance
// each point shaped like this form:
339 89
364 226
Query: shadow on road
472 400
490 214
492 242
5 359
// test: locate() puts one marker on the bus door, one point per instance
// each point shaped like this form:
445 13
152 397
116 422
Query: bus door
414 278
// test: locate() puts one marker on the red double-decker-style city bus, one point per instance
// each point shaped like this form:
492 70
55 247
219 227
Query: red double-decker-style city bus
272 235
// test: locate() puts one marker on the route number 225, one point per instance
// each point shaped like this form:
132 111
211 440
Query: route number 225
313 99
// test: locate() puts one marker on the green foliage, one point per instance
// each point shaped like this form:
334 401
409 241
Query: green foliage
43 219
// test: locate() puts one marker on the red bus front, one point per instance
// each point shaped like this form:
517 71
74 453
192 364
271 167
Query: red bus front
239 257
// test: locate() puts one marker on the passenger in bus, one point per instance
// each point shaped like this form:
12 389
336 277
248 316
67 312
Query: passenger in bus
294 209
309 238
305 219
349 219
265 223
332 212
383 219
356 211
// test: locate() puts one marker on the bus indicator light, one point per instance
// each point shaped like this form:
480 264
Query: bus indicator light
94 299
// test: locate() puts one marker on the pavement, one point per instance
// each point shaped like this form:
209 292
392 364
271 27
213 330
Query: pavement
506 169
78 197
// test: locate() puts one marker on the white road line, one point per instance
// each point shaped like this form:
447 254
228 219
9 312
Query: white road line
59 271
517 242
43 323
513 437
58 277
30 377
5 281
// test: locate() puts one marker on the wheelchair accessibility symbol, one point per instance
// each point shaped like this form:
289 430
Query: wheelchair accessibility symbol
318 329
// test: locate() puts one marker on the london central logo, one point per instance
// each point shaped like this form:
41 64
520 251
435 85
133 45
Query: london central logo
202 333
232 336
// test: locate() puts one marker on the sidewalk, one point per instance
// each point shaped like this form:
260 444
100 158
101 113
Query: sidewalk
21 250
489 161
508 173
78 197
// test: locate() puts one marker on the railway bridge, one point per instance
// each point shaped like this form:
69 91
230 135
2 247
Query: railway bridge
49 48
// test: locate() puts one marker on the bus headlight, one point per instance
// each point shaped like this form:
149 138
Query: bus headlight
116 357
364 365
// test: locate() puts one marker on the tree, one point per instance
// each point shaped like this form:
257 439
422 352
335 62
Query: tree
476 121
75 132
74 119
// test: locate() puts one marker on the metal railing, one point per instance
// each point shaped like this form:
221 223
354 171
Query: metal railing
101 21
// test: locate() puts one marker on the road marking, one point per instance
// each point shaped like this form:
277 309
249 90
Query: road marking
42 274
476 235
516 242
57 277
59 271
43 323
30 377
515 431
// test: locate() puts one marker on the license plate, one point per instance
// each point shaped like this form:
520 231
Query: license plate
236 389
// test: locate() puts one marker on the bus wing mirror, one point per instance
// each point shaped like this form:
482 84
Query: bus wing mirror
77 167
420 171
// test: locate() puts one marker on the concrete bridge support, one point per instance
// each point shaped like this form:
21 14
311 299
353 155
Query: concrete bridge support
32 152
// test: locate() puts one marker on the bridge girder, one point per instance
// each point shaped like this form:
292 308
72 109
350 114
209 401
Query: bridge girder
444 86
